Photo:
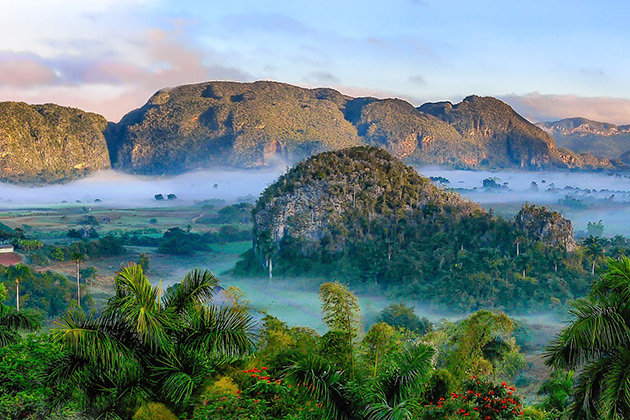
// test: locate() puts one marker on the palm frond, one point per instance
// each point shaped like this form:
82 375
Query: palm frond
220 330
196 288
586 396
598 327
615 396
406 373
87 338
382 410
14 320
323 383
8 336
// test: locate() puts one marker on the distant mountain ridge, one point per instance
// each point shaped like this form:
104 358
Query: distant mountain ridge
248 125
50 143
587 136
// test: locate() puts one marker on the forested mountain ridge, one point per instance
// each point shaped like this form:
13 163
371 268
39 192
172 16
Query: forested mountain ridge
49 143
587 136
254 124
248 125
362 216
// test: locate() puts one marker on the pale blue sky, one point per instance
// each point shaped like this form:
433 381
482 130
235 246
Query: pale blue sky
548 59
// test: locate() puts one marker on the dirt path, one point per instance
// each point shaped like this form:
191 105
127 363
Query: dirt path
194 219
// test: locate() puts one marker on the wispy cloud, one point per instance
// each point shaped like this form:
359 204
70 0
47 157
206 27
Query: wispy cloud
111 86
539 107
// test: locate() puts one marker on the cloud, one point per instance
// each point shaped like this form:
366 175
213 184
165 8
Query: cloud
539 107
23 70
111 85
417 79
322 77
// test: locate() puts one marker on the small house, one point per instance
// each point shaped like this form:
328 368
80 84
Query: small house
5 249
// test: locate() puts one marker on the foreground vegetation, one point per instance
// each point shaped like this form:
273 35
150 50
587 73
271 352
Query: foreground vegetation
175 355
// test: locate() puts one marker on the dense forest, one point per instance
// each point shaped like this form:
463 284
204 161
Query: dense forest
176 355
361 216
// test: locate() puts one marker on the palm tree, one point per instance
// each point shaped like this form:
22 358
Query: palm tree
12 321
597 344
147 348
594 249
77 257
18 273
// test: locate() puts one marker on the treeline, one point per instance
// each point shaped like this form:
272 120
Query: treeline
177 241
47 293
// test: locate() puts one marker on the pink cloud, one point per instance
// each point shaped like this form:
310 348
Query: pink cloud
538 107
83 83
24 71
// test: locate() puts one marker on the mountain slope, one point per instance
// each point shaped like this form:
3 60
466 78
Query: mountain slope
586 136
254 124
504 138
49 143
359 215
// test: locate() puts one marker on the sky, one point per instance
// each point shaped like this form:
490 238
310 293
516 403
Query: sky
548 59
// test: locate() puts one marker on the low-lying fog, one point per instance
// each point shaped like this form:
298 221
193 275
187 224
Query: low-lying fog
581 196
115 189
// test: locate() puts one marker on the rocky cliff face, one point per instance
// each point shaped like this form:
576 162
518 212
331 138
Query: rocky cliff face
230 124
333 195
50 143
586 136
542 224
504 138
256 124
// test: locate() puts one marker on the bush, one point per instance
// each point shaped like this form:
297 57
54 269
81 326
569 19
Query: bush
154 411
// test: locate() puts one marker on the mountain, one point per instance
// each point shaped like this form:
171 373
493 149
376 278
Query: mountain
586 136
50 143
360 215
257 124
505 139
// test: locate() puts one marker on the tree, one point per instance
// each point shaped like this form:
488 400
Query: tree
12 321
595 229
594 249
29 245
401 315
597 344
18 273
482 344
76 258
341 313
144 262
558 390
145 348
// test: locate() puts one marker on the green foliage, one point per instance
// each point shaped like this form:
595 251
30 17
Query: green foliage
179 242
34 150
154 411
481 344
557 390
46 292
145 349
361 216
596 342
23 393
400 315
595 229
144 262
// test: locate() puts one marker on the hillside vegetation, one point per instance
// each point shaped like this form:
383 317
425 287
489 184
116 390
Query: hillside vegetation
362 216
257 124
50 143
